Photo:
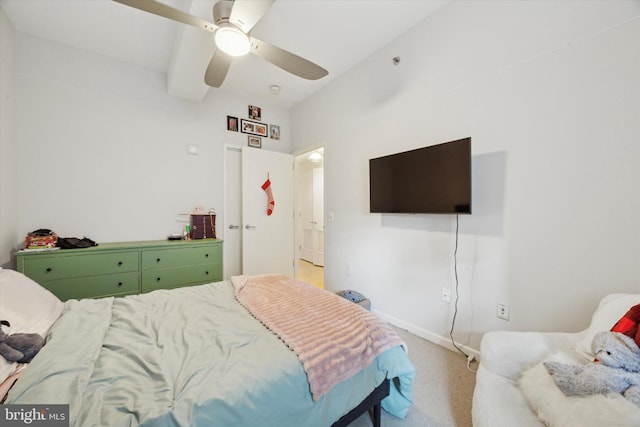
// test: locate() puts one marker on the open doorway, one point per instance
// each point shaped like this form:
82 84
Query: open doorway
309 217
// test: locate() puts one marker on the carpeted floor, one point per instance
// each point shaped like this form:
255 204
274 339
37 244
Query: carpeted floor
443 388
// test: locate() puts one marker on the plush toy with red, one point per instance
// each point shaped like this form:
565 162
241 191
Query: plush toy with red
629 324
616 369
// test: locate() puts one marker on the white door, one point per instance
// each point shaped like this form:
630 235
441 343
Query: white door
311 193
305 194
267 240
232 229
318 216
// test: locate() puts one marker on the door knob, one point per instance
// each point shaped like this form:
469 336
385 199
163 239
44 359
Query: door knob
249 227
233 227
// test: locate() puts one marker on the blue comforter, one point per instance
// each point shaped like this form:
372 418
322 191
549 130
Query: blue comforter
188 357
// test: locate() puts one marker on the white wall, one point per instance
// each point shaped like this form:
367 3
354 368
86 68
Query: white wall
103 148
547 90
8 188
550 94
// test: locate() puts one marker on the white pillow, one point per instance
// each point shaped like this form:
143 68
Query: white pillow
609 311
29 308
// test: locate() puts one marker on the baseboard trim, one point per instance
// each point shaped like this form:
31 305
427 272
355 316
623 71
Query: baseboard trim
429 336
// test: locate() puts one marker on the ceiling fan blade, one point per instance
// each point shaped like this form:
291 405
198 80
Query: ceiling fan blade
286 60
168 12
246 13
217 69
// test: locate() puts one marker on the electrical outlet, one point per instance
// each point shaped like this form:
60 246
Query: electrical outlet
446 295
503 311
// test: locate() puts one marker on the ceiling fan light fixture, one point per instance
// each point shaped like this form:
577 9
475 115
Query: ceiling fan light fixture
232 41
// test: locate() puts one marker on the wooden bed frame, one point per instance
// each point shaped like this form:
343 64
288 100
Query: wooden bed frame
371 402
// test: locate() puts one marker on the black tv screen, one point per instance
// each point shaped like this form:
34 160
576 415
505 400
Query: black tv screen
434 179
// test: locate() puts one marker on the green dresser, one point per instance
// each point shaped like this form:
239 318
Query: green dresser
117 269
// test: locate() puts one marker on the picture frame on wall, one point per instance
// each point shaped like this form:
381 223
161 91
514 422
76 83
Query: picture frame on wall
253 128
255 113
255 142
232 124
274 132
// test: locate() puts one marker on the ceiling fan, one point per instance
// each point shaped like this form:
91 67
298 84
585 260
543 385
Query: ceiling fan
233 21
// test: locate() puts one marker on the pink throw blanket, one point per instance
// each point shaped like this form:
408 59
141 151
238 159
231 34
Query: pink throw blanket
333 337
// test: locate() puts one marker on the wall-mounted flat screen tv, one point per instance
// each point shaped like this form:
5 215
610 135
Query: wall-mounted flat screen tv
434 179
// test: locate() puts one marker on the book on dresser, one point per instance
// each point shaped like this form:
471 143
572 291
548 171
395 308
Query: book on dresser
125 268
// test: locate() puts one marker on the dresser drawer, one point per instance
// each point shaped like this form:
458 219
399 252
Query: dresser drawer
180 276
174 257
95 287
42 269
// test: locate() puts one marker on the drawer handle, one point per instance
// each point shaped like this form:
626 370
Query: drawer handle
49 269
157 259
206 255
157 279
206 273
120 284
120 263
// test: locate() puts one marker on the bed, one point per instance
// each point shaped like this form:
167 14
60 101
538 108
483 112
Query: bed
206 356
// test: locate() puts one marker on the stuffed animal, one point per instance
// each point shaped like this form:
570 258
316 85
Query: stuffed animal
616 369
19 348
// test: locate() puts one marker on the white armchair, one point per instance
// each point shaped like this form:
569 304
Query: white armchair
498 400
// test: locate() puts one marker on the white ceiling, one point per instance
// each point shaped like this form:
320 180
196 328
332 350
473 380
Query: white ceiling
335 34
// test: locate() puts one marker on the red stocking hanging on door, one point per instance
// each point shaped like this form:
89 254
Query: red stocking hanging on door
270 202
